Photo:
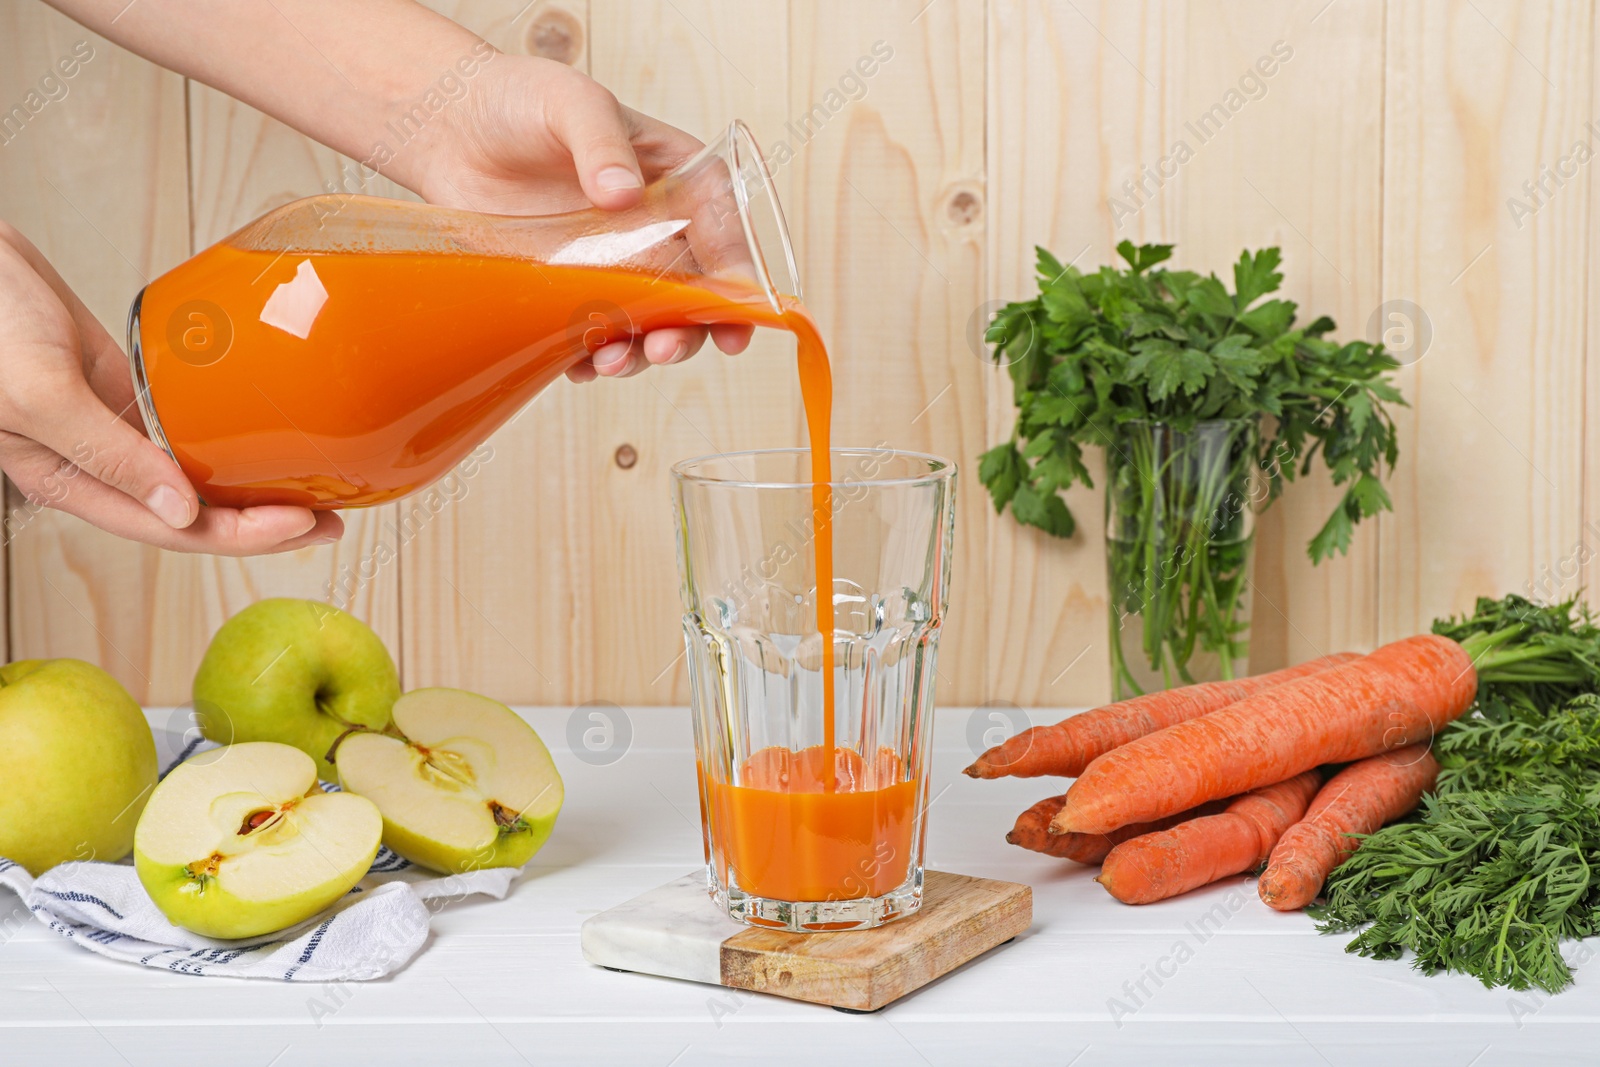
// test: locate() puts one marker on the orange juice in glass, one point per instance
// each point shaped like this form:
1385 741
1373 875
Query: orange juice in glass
813 767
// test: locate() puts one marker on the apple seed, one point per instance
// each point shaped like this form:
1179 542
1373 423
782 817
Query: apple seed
263 819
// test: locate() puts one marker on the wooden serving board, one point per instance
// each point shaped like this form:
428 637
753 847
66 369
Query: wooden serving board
677 932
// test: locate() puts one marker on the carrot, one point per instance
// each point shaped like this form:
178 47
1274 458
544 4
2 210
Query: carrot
1032 832
1357 800
1191 854
1067 747
1399 695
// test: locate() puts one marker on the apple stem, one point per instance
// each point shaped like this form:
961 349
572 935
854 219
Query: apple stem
333 749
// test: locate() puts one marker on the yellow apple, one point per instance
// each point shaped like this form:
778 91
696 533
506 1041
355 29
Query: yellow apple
241 841
299 672
468 785
77 761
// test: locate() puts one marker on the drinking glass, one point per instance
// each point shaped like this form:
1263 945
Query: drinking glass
789 845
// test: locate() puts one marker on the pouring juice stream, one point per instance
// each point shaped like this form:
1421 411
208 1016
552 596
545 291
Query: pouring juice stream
329 373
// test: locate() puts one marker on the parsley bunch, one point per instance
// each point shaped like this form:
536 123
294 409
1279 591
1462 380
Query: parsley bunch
1094 351
1192 391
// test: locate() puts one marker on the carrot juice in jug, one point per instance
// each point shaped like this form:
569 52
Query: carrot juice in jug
346 351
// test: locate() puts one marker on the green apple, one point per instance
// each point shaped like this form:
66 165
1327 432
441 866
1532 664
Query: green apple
241 841
467 785
77 763
300 672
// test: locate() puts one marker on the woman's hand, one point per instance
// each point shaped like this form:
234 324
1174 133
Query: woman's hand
529 136
70 437
533 136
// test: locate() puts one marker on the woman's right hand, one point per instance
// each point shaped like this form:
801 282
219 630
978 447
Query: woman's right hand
70 434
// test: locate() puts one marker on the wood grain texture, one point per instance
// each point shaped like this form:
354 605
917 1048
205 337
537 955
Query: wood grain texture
1103 128
500 568
1382 156
1479 99
890 215
97 180
1580 567
556 574
1080 97
243 164
961 918
1297 165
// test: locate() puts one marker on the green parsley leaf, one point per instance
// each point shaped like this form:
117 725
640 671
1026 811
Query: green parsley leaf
1256 276
1000 470
1042 509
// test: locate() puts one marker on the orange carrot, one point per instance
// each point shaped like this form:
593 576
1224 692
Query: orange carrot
1198 852
1032 832
1399 695
1067 747
1357 800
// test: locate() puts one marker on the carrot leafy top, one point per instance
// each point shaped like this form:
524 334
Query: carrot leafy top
1531 658
1496 870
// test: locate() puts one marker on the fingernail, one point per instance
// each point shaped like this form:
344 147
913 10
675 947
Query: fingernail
325 539
609 356
615 179
169 506
680 352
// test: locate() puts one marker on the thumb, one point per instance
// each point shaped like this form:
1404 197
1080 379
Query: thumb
80 428
591 124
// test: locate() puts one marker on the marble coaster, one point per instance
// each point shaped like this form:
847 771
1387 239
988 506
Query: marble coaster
676 931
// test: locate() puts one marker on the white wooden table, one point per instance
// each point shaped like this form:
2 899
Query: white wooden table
1214 977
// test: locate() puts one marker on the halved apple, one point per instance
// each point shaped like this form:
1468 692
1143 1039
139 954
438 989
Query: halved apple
468 785
241 841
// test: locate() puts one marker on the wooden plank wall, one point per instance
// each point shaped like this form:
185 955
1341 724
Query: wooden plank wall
1380 153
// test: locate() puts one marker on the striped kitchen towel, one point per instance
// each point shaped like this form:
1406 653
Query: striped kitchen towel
373 931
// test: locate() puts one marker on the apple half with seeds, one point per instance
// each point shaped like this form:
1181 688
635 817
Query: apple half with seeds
466 785
241 841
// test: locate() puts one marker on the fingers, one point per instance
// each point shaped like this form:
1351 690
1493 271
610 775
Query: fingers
665 347
732 337
256 531
46 398
46 480
76 425
105 366
659 147
620 359
624 359
591 124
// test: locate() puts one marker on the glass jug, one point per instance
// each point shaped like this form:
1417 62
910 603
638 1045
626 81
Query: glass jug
345 351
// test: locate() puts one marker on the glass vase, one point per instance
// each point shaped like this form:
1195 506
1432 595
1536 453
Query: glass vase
1179 523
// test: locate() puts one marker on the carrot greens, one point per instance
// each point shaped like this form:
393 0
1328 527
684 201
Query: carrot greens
1498 868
